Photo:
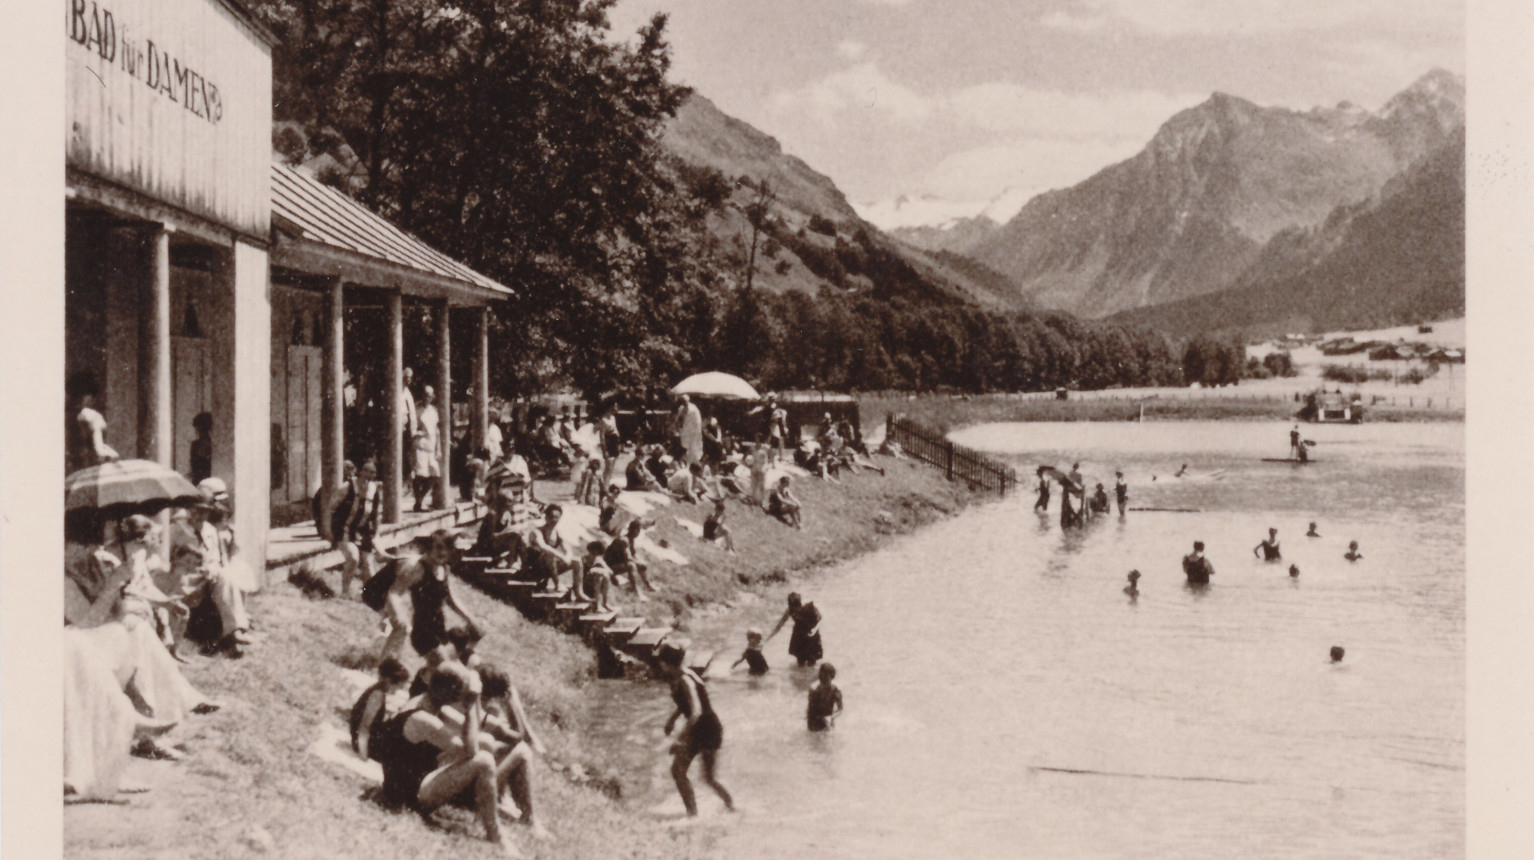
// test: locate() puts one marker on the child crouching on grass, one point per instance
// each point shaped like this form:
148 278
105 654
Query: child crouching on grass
825 700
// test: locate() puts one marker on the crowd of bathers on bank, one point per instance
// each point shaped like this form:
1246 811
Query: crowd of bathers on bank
455 731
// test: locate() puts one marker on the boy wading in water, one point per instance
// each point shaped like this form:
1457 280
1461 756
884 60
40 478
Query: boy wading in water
825 701
755 660
702 734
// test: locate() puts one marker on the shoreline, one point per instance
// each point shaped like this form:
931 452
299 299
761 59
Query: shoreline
947 413
257 751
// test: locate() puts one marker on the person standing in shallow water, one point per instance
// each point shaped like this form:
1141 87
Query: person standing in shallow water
804 641
1120 491
1268 550
1133 588
702 734
1196 567
1043 503
825 701
1353 553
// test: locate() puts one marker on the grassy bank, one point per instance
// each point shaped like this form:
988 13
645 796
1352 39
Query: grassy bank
250 787
947 413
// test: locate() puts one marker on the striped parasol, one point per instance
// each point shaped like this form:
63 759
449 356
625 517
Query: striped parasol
123 483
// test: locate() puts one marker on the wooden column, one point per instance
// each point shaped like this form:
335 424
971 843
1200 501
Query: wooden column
155 434
482 379
333 397
393 450
444 316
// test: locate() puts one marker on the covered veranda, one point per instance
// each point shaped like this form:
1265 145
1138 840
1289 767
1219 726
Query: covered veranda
355 301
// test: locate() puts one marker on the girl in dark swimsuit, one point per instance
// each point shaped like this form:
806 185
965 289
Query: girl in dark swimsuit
702 734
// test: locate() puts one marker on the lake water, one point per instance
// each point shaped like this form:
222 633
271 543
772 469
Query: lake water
1006 699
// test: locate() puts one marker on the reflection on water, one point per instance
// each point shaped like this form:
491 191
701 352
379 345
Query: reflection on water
1006 698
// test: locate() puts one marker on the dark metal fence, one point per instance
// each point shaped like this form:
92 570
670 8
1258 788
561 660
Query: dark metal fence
960 463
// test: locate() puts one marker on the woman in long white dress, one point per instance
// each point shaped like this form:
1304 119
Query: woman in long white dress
95 578
101 725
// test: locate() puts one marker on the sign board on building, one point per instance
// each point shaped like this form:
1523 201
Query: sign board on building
172 99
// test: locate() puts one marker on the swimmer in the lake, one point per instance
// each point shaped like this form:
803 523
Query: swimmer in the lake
755 661
1294 571
825 701
1296 447
1353 554
1181 471
1268 549
1312 532
1196 566
1133 588
1120 491
1337 653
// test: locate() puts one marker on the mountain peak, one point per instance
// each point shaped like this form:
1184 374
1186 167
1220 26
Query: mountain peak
1439 91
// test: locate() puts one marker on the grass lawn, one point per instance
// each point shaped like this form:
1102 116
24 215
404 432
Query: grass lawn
249 786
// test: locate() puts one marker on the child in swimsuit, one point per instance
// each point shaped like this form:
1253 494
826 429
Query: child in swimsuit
825 700
753 657
1353 554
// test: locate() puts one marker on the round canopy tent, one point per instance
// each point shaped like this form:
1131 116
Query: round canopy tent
716 384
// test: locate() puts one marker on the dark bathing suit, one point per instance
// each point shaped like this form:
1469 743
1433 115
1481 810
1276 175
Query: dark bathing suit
804 642
822 705
428 627
405 764
1270 551
755 661
379 718
1197 568
707 733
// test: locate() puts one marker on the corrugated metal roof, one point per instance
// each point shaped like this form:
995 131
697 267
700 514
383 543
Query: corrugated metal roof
331 218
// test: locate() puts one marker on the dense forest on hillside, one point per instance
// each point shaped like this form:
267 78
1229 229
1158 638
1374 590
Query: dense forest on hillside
522 137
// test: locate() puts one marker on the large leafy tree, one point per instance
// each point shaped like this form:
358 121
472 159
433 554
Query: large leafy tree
519 136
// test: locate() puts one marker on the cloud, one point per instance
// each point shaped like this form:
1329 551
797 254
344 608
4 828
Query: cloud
963 146
850 49
860 88
996 179
1219 17
1081 23
1111 115
885 2
996 107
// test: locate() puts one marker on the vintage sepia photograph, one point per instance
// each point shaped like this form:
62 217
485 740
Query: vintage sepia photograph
759 429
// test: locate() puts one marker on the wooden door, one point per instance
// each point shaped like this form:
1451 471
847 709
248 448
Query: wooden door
304 374
191 393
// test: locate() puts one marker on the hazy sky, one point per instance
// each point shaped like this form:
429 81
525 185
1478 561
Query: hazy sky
951 103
